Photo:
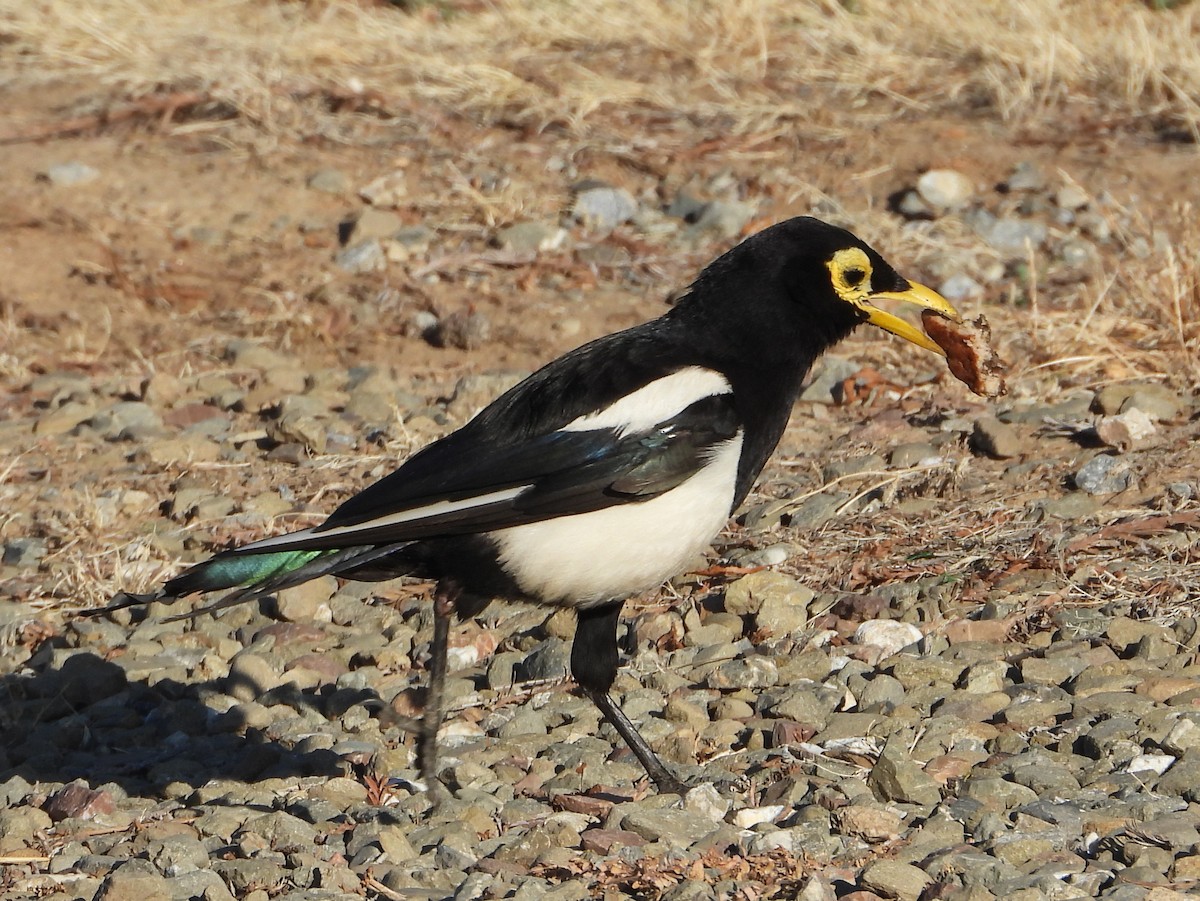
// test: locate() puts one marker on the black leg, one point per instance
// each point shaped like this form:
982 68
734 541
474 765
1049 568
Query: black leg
594 666
443 609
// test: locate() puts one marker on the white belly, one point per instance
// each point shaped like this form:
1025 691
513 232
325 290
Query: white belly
609 554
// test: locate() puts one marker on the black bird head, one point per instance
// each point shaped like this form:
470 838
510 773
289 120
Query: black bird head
799 287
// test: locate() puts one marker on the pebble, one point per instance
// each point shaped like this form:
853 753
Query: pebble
995 438
945 189
387 190
329 181
960 287
1026 176
1007 234
362 257
1104 474
67 175
531 237
601 208
376 223
1071 197
722 219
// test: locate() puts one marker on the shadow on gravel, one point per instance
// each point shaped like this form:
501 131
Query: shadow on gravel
86 720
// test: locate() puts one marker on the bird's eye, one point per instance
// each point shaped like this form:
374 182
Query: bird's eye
854 276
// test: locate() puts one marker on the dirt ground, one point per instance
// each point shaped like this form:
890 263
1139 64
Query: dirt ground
202 225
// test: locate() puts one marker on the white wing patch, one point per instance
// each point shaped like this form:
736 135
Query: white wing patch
651 404
413 514
589 558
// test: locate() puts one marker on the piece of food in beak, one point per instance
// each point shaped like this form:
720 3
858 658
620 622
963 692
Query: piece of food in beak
969 352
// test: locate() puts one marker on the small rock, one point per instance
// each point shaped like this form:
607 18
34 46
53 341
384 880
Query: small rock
1152 763
376 223
678 828
133 883
1026 176
997 439
1071 197
386 190
1184 736
531 237
889 635
747 595
362 257
724 219
78 801
1104 474
896 777
784 609
825 381
705 801
65 175
893 879
465 329
549 660
24 552
910 205
1077 253
601 208
749 672
60 420
329 181
749 817
960 287
945 189
127 421
869 823
1008 235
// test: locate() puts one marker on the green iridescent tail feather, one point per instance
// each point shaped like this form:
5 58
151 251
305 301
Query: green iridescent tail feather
255 575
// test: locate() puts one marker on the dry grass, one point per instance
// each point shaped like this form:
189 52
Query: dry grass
750 65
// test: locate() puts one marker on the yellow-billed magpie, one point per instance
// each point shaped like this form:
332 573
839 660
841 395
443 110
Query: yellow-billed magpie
605 472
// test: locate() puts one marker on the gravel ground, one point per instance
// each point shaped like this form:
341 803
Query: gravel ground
948 650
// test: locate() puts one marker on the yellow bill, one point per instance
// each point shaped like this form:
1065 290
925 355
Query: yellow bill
918 295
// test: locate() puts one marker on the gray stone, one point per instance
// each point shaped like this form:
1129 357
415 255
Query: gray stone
995 438
825 381
746 596
601 208
755 672
128 421
679 828
134 881
911 206
388 190
329 181
531 237
725 219
1104 474
362 257
376 223
1071 197
66 175
896 777
23 553
549 660
960 287
1026 176
1077 253
1008 235
893 879
945 189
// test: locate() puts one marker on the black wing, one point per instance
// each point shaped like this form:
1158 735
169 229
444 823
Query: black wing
460 485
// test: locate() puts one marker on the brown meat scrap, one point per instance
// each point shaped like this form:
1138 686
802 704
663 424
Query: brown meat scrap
969 352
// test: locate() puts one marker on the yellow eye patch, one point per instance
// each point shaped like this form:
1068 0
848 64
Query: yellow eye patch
850 274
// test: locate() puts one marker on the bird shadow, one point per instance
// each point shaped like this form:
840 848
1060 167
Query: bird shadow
83 718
